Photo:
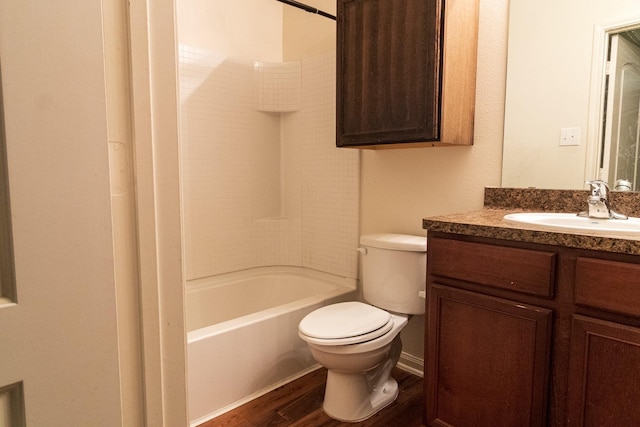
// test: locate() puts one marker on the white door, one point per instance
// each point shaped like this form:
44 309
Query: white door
621 148
58 339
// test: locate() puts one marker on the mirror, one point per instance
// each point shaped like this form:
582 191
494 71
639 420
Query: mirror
555 91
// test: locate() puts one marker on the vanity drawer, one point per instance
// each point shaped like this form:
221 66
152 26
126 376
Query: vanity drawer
522 270
608 285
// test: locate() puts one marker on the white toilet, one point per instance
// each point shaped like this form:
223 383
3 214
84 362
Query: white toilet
359 343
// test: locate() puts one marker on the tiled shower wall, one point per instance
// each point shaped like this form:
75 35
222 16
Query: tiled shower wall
263 183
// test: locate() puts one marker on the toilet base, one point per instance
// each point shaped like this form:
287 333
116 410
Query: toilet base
355 402
354 397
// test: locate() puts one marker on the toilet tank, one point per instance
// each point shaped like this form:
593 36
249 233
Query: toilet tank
394 268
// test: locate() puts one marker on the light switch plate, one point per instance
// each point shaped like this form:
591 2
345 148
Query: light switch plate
570 136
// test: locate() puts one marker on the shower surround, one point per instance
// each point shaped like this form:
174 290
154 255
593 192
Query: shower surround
263 183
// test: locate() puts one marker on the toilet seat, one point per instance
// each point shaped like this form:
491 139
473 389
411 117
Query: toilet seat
345 323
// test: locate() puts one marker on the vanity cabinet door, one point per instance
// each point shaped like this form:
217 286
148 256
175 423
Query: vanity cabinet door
391 87
486 360
604 374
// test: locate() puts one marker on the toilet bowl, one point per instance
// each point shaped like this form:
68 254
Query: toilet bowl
359 343
359 382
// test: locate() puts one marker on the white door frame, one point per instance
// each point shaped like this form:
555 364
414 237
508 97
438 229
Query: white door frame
156 164
596 98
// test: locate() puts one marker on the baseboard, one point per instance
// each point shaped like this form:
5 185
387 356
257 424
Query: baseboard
411 364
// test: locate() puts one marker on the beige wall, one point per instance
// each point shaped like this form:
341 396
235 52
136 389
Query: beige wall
228 27
306 34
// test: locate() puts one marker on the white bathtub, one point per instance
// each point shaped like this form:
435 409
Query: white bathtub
243 333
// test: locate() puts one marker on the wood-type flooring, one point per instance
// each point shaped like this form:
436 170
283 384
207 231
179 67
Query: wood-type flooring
299 403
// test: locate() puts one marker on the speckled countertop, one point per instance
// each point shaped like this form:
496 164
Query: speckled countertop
498 202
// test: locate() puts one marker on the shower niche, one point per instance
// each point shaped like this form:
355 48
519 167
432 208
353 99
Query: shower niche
277 88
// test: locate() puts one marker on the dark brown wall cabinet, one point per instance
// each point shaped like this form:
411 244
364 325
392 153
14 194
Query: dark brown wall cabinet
406 72
520 334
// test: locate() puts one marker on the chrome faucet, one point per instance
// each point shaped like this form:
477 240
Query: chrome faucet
598 202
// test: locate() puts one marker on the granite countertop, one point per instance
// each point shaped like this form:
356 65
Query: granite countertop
488 222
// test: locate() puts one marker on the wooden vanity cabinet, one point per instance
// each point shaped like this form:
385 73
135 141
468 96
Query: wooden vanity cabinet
490 360
604 376
487 356
519 334
405 72
604 370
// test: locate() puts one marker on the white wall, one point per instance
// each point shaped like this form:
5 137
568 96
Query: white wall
549 87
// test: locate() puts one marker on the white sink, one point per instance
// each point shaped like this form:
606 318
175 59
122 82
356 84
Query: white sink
572 223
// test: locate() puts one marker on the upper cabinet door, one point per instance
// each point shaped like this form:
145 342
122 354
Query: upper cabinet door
405 72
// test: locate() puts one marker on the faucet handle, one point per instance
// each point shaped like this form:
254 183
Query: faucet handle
599 206
599 188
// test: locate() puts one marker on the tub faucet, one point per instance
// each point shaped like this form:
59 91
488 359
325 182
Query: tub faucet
598 202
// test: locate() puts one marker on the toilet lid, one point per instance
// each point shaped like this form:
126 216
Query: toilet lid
353 321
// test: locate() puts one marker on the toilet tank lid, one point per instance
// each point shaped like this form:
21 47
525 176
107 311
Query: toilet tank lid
399 242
